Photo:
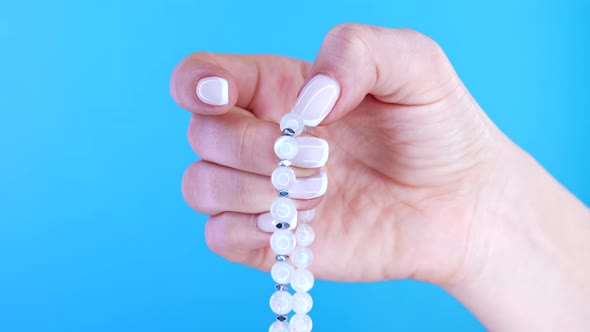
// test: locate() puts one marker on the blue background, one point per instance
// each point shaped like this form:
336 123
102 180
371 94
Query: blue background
94 232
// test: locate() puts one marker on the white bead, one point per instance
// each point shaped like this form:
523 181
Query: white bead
301 323
304 235
306 216
282 178
282 242
280 327
302 302
283 209
286 147
293 121
301 257
281 302
302 280
282 273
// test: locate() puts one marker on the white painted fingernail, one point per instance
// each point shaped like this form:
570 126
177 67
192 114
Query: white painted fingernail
312 153
213 90
310 187
317 99
266 223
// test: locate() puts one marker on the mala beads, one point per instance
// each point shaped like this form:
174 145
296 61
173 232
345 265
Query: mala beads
293 234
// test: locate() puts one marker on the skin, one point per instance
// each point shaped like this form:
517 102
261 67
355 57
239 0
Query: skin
422 184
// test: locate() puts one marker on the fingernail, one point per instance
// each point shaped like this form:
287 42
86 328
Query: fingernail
213 90
310 187
317 99
266 223
312 152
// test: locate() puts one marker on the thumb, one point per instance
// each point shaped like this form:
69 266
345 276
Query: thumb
396 66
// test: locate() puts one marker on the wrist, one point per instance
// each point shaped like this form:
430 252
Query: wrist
526 266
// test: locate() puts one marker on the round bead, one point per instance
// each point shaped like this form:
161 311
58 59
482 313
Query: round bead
301 323
307 216
280 327
302 303
282 242
283 210
302 257
293 121
305 235
282 178
286 147
281 302
302 280
282 272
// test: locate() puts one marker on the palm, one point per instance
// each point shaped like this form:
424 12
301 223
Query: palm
395 207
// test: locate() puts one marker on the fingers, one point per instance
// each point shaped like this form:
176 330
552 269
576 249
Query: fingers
244 238
396 66
235 237
213 189
239 140
208 83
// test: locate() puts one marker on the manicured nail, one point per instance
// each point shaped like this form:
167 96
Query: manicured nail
213 90
312 153
317 99
266 223
310 187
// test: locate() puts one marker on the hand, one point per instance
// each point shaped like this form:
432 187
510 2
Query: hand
421 183
411 153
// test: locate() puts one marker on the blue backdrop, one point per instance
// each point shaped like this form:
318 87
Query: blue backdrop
94 232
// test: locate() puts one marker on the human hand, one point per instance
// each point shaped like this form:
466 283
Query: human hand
411 155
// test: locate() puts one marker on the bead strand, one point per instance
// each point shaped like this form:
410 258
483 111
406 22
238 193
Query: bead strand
292 253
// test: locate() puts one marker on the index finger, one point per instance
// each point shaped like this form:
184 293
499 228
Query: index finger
212 83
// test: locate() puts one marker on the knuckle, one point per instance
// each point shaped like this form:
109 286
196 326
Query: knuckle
350 39
198 188
212 239
196 139
224 239
247 135
203 136
430 49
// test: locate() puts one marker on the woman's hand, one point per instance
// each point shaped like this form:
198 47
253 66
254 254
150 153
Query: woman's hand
421 183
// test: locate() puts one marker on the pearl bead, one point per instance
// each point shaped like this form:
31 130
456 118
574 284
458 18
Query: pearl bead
281 302
283 210
302 303
301 323
305 235
286 147
282 272
302 280
302 257
282 242
282 177
307 216
280 327
293 121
